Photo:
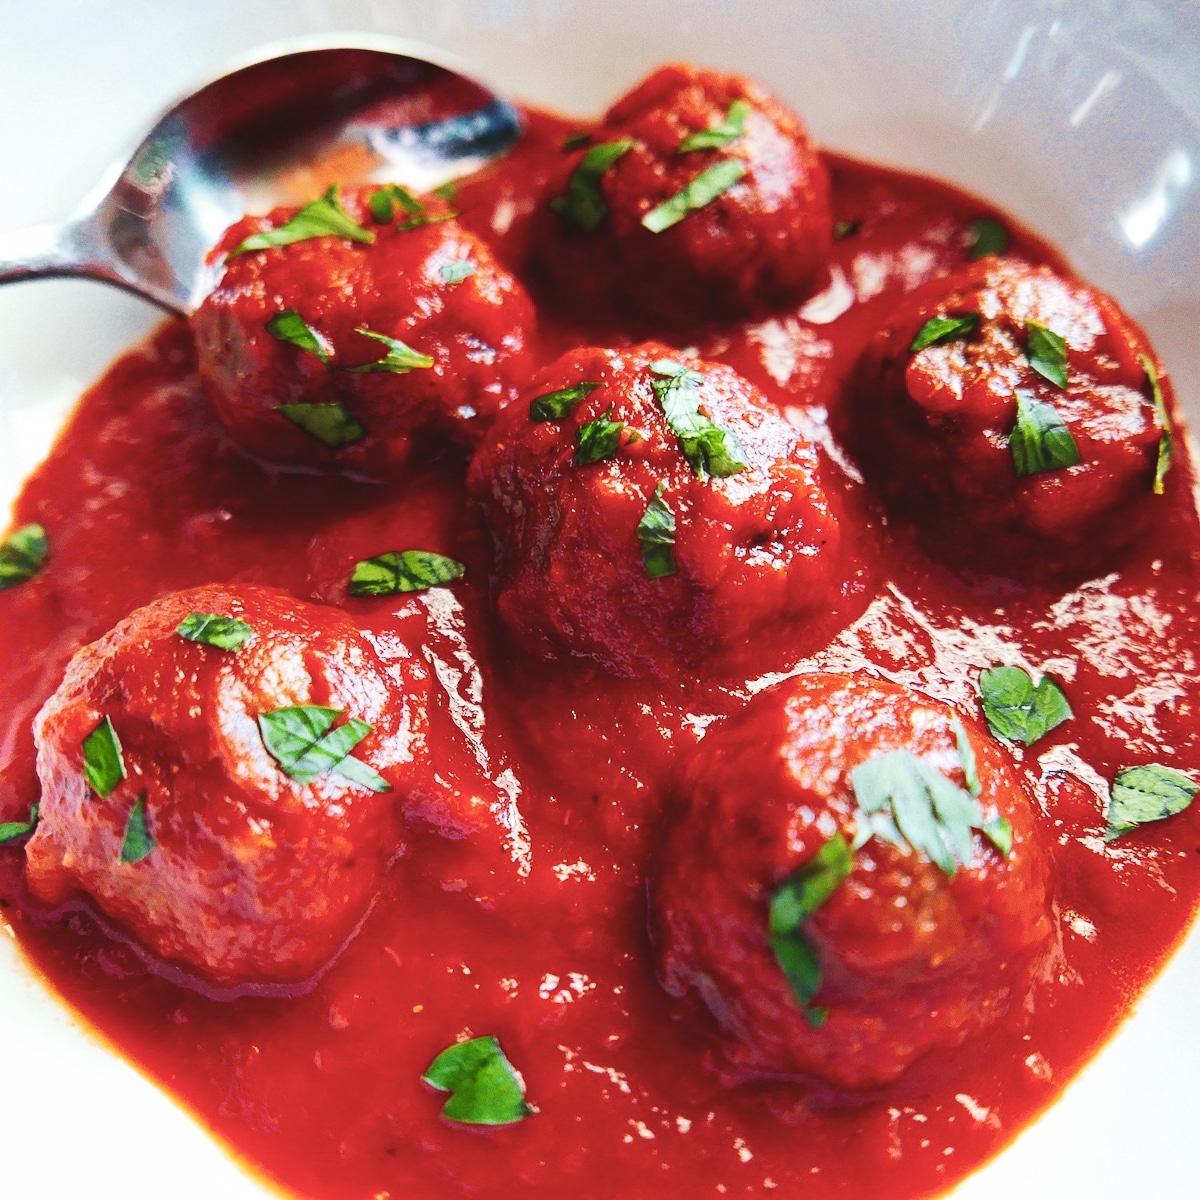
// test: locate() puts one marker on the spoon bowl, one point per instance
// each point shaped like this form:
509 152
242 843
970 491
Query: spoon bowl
274 130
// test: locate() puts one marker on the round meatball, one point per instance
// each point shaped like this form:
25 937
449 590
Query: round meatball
435 288
935 427
643 542
910 957
257 868
757 244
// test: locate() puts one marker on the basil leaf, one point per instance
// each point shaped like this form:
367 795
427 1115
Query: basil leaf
457 271
304 743
447 191
598 439
138 841
400 359
966 755
933 816
944 329
730 129
845 229
988 236
1166 442
383 203
998 831
796 899
318 218
553 406
702 190
103 763
22 555
485 1087
333 425
1047 353
710 450
358 772
1018 711
583 204
1040 441
402 571
10 831
573 141
227 633
289 326
1143 794
656 532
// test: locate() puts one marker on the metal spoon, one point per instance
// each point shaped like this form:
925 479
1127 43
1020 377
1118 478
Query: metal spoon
277 129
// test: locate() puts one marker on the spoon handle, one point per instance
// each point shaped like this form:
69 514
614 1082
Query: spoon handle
40 251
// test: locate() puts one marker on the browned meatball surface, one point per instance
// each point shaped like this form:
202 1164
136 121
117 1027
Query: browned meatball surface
909 956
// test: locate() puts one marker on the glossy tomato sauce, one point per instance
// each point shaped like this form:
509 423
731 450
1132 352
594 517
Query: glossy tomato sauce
537 933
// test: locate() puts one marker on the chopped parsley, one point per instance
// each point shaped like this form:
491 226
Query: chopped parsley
400 571
11 831
656 533
1017 710
721 135
318 218
553 406
944 329
383 203
710 450
303 741
103 763
485 1087
289 326
1047 353
1143 794
399 360
22 555
583 205
210 629
988 236
333 425
1166 441
138 841
456 271
598 439
845 229
796 899
1040 441
693 196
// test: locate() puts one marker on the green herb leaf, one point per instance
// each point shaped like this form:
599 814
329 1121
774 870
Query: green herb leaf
966 755
1166 442
1018 711
103 765
796 899
22 555
10 831
400 359
1047 353
304 743
553 406
998 831
1040 441
845 229
486 1087
383 203
583 204
573 141
227 633
656 532
731 128
446 191
332 425
456 271
598 439
944 329
934 816
138 841
358 772
702 190
318 218
1143 794
988 236
710 450
289 326
403 571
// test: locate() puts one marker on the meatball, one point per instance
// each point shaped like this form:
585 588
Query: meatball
751 230
462 323
224 845
905 955
649 510
965 433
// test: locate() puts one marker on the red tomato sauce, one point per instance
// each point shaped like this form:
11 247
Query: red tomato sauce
321 1092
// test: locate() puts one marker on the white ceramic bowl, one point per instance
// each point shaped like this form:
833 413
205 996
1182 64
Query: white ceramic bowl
1079 116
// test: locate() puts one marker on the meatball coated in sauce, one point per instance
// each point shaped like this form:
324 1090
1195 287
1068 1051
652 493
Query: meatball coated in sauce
910 957
760 243
255 877
933 427
436 288
751 549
